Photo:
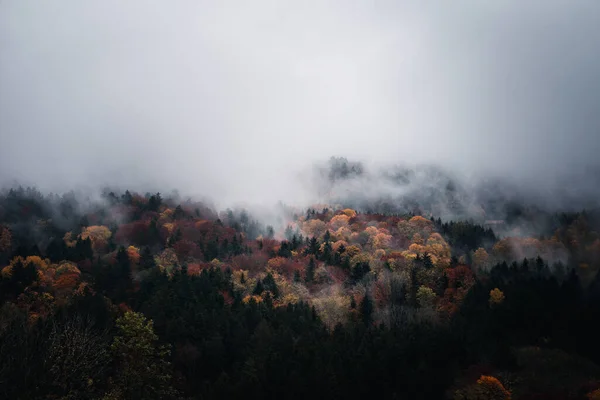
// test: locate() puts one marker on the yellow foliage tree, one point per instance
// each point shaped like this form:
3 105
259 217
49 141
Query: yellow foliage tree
360 258
426 297
353 250
342 234
276 263
382 241
314 227
68 239
496 297
349 212
98 234
418 239
480 258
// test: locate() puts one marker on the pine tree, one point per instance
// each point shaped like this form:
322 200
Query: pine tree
313 246
366 310
147 259
310 270
259 288
326 255
122 284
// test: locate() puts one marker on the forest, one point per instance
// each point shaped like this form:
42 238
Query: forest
148 296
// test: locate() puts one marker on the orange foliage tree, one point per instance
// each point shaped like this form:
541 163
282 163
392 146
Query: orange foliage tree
486 388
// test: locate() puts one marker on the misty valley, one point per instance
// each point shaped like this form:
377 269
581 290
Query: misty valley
124 295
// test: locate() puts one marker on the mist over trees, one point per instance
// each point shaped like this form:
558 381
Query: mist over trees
173 224
125 295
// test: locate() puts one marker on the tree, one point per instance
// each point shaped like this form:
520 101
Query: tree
143 371
426 297
77 358
366 310
480 259
122 275
19 275
359 271
427 263
178 213
326 255
147 259
83 249
259 288
154 202
284 250
270 285
496 297
310 270
270 232
5 239
313 246
486 388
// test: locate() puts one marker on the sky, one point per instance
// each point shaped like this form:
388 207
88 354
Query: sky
236 100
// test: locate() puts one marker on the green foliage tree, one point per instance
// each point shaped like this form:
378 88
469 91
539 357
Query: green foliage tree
143 371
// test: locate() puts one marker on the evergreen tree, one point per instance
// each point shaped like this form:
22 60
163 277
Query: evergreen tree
83 250
270 285
427 263
313 246
270 232
178 213
147 259
259 288
326 256
122 284
310 270
366 310
154 202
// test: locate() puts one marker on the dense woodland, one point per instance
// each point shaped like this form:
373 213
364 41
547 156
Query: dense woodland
136 296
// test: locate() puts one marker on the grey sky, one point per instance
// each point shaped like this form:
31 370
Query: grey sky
226 98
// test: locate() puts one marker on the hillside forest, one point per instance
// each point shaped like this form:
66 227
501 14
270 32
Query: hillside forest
148 296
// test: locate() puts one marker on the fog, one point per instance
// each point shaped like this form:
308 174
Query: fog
237 100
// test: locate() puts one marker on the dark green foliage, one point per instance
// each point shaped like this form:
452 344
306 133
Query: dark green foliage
285 249
154 202
310 270
313 246
366 310
359 271
270 285
147 259
465 236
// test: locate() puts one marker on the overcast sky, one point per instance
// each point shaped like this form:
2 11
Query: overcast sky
225 98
